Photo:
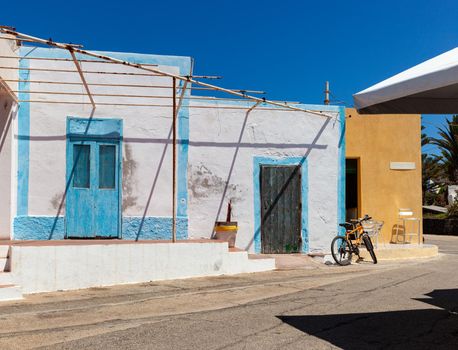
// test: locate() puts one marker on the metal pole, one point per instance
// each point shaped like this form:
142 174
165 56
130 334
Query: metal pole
174 152
326 93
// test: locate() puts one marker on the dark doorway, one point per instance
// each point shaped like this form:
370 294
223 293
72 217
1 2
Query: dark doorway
352 189
280 209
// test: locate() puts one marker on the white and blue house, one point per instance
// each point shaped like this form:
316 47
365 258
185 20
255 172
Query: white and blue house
70 171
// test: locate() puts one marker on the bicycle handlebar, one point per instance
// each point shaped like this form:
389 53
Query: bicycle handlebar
365 218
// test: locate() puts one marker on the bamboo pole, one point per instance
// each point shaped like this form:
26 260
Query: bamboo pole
155 105
174 151
83 79
209 98
7 88
123 85
157 71
86 71
183 90
64 60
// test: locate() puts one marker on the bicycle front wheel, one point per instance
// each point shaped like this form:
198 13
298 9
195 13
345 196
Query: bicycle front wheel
370 247
341 250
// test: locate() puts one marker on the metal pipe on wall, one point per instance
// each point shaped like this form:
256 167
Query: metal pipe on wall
174 156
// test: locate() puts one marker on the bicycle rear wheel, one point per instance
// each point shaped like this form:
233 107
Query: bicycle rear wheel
341 250
370 247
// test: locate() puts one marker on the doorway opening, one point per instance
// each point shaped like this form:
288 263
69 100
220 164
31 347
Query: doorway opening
281 209
352 197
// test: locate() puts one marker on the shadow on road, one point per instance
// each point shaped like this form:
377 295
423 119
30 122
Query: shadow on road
419 329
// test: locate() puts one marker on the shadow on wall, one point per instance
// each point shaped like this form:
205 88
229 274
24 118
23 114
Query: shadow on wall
309 147
61 205
396 232
407 329
59 202
5 124
153 186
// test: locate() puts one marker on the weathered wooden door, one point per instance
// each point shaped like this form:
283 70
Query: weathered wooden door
280 209
92 208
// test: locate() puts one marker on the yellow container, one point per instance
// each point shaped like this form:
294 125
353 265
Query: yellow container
226 231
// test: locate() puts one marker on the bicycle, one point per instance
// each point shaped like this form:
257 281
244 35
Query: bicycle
343 246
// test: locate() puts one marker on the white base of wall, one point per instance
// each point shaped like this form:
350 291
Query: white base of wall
8 290
45 268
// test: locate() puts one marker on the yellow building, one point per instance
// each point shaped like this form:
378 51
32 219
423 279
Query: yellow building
383 155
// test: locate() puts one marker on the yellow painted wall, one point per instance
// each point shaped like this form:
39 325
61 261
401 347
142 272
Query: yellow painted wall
377 140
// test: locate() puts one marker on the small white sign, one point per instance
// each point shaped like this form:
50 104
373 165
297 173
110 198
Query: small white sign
402 165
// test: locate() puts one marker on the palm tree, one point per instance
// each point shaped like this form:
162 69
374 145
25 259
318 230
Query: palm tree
432 177
424 138
448 146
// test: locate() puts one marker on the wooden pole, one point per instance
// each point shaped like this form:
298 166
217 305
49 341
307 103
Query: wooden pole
7 88
20 36
174 156
83 79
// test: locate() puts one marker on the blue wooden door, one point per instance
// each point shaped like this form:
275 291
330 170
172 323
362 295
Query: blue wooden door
93 208
106 199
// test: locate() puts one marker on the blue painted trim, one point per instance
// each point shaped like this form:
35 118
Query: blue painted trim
120 147
183 151
23 140
184 64
341 178
38 227
164 60
153 228
101 129
94 127
261 160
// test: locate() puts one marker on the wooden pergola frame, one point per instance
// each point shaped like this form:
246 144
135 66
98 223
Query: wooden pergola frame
151 70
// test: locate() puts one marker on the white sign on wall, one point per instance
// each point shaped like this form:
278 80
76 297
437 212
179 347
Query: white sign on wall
402 165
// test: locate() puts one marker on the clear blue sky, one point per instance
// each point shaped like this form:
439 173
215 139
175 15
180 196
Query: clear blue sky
287 48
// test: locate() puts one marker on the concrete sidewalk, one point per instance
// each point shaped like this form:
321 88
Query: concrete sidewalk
47 318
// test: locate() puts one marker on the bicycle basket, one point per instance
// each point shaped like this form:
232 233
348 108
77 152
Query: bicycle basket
372 227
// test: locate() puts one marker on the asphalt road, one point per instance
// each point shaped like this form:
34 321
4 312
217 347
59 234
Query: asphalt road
405 305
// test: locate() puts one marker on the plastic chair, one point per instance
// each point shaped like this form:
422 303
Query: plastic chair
405 217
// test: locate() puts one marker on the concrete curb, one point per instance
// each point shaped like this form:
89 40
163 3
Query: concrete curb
399 252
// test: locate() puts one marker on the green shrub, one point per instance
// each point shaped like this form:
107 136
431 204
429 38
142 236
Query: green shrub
452 211
432 198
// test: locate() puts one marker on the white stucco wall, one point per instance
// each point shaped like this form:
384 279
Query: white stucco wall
8 111
222 139
145 133
46 268
7 114
222 145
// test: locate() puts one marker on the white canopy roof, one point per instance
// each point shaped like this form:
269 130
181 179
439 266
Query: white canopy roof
428 88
